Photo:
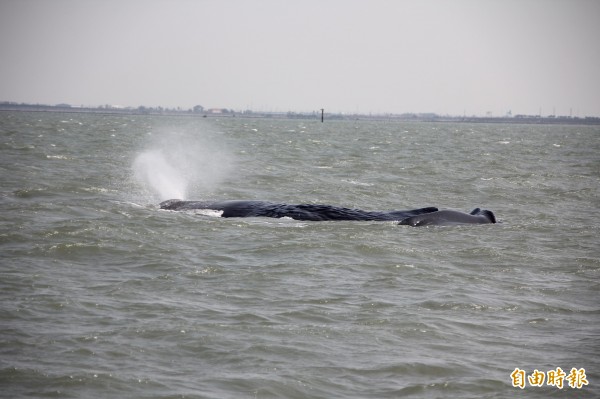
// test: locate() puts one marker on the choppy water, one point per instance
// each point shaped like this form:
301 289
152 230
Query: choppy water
104 295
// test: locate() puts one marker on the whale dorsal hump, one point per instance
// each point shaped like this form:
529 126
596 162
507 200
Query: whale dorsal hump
487 214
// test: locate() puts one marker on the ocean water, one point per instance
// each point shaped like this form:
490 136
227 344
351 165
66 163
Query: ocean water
103 295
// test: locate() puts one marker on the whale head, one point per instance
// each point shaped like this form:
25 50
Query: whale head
170 204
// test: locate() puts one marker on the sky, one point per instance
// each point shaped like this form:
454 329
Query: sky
450 57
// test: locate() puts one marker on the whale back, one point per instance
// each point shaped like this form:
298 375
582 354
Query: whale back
317 212
314 212
448 217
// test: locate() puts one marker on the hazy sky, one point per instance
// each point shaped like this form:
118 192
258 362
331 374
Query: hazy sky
446 56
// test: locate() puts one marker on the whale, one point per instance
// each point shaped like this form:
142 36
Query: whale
428 216
449 218
312 212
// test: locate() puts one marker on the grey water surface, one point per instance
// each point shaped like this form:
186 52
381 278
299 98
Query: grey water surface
103 295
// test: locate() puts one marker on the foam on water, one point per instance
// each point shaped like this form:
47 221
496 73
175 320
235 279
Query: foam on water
209 212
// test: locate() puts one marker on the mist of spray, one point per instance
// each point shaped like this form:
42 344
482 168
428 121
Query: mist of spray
156 173
180 165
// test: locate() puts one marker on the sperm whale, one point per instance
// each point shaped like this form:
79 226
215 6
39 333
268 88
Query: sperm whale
314 212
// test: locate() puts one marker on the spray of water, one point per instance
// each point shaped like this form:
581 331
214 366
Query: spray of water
181 165
156 173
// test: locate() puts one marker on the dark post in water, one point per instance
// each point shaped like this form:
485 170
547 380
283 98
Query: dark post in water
322 112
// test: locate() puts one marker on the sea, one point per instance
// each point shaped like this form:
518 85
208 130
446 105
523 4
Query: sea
105 295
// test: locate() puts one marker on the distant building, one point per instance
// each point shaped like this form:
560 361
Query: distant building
217 111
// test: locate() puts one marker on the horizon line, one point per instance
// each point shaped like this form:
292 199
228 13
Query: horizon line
223 110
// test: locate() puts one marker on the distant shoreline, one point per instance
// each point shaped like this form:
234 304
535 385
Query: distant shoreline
224 113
